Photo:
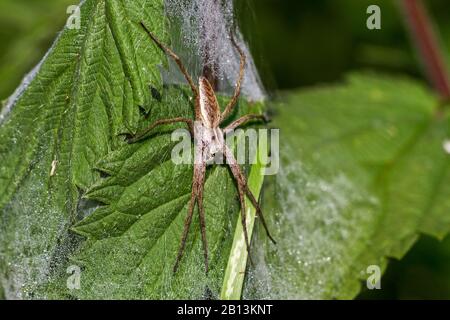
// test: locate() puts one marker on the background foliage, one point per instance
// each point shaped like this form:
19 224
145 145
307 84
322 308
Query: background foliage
295 43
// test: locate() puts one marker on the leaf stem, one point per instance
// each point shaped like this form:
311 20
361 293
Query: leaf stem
426 41
235 272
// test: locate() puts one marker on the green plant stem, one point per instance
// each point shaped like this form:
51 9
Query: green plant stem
235 271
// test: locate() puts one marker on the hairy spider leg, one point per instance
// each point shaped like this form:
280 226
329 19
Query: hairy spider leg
196 196
201 212
237 91
239 122
181 66
172 54
242 183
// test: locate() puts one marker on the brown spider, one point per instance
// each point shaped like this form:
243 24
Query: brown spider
209 139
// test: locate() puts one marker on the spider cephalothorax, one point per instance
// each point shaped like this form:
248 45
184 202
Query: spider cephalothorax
209 141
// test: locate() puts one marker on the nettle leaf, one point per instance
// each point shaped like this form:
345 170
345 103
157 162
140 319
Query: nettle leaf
65 117
75 196
133 238
364 170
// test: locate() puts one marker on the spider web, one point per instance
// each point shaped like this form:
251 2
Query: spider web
200 32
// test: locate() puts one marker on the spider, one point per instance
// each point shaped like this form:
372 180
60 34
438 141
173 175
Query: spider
209 138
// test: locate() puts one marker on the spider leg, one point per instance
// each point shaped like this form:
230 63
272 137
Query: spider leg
242 182
237 92
196 196
174 57
139 136
200 178
259 213
243 211
243 120
187 224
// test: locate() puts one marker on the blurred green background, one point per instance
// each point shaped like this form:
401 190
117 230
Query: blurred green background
305 42
295 43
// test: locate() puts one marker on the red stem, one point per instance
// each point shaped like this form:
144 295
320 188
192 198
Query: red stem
426 40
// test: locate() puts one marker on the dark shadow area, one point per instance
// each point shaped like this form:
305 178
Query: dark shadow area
422 274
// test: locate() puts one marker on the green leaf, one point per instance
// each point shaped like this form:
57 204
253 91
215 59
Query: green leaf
134 237
73 193
364 170
67 115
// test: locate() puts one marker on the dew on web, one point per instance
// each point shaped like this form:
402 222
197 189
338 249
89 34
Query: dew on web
318 226
27 242
200 34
